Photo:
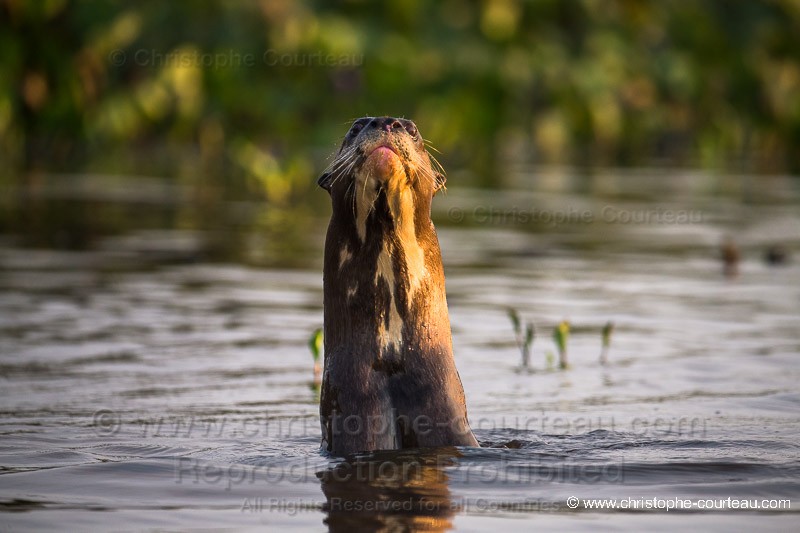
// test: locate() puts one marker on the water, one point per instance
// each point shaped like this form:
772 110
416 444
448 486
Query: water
146 387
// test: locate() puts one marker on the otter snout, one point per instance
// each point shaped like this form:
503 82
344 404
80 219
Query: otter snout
400 135
385 123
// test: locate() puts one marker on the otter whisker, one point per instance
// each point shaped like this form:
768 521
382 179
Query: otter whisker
367 178
439 168
348 170
341 158
351 191
343 165
425 169
429 146
337 156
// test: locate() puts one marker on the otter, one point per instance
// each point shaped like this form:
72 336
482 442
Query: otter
389 377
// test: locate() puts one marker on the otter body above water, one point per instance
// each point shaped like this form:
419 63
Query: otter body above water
389 380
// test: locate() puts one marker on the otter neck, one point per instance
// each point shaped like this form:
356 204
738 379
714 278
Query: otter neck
384 285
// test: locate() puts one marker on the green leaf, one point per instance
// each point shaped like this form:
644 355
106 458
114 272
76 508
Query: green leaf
608 329
315 344
514 316
530 333
561 335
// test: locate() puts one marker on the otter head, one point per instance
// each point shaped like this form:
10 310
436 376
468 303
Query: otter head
382 155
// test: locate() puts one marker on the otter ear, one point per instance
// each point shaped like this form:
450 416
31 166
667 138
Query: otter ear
438 182
324 181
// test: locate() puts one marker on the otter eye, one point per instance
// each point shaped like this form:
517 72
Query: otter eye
412 129
358 126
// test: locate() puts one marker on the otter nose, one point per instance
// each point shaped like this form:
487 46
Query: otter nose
385 123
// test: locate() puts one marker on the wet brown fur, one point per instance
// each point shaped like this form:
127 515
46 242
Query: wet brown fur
386 384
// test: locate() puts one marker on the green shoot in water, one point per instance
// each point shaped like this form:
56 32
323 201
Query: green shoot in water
315 345
549 358
608 329
530 334
561 337
514 316
525 342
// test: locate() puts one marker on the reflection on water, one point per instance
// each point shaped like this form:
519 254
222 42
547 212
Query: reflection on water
160 222
391 491
157 374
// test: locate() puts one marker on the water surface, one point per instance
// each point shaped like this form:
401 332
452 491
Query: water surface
146 384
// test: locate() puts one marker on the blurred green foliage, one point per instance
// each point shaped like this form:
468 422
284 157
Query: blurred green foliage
254 95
